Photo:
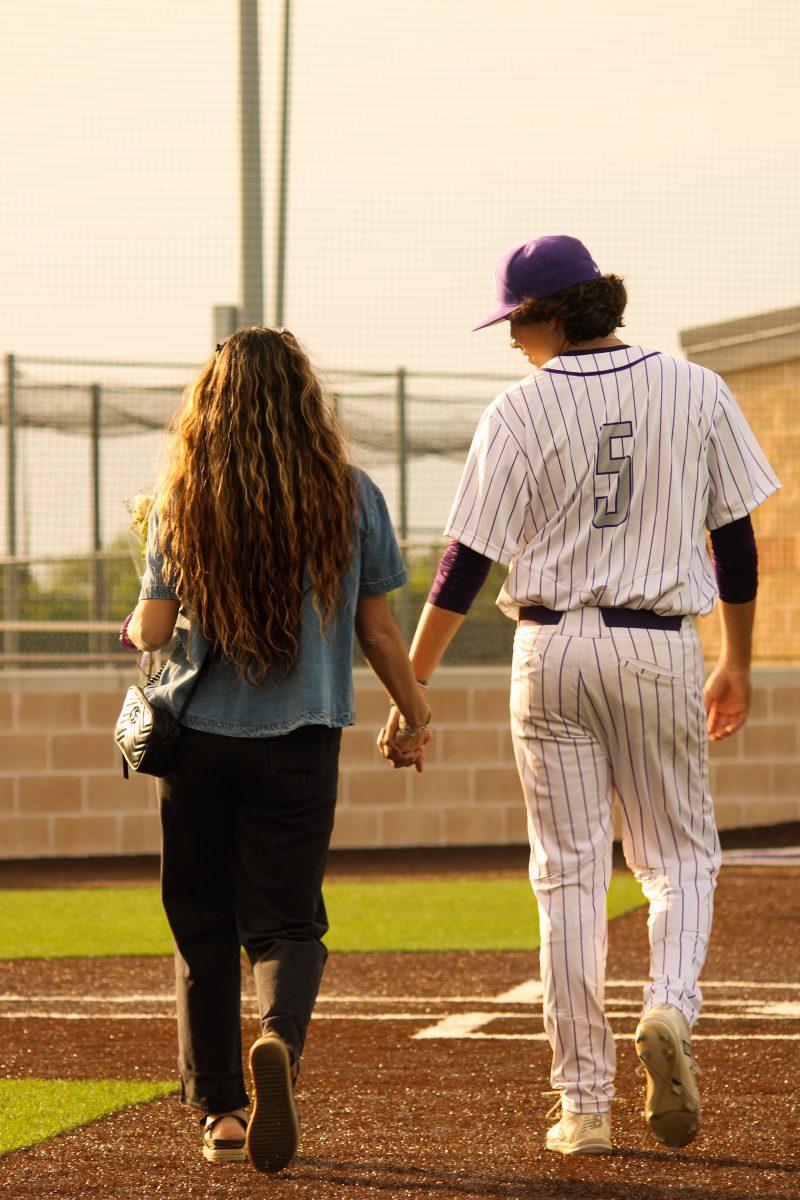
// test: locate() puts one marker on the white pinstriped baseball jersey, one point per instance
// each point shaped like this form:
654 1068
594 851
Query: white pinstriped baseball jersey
597 475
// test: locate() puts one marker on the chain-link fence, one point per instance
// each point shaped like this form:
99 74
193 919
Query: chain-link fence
77 451
356 170
82 439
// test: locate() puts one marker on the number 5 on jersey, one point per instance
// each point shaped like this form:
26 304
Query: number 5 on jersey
610 464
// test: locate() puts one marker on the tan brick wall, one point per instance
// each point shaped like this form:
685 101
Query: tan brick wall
62 793
768 398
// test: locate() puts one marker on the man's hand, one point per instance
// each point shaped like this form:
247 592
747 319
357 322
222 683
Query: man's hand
401 749
727 697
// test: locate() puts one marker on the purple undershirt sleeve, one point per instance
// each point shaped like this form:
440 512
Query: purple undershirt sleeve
735 561
461 575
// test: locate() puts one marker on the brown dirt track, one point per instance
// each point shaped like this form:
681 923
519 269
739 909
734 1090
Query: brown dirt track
388 1116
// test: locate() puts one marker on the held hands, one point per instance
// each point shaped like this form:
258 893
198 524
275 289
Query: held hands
727 697
402 749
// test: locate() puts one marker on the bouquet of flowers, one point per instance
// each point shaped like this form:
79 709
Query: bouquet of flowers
140 508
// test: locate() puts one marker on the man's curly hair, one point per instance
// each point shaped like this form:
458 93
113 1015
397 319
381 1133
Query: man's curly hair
587 310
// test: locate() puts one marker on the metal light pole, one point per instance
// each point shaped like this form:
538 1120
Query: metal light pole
283 166
226 318
10 580
11 456
251 235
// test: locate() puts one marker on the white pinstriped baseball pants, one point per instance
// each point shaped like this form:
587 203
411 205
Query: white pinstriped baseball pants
592 708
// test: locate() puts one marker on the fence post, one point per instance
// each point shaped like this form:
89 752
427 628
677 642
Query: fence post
404 615
97 580
10 579
402 453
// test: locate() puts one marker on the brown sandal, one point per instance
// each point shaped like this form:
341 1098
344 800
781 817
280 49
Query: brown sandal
222 1150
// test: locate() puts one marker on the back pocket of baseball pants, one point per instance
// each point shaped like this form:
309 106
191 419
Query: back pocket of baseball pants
649 670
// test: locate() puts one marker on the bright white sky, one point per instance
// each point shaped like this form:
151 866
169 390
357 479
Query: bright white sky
428 137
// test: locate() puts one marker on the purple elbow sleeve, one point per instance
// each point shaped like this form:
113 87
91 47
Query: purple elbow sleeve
735 561
461 575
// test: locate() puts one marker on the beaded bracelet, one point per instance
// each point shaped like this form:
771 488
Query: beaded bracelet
125 641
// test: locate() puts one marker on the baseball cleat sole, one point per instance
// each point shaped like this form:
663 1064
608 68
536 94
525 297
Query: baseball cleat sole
565 1148
274 1129
580 1133
672 1102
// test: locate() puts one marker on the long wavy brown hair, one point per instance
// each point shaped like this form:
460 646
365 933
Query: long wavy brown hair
256 492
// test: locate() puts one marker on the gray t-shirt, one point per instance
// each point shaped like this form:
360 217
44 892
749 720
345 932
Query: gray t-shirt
319 691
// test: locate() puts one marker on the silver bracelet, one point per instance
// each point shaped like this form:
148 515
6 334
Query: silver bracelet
423 683
409 731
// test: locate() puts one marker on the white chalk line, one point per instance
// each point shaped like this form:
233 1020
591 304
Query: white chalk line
624 1037
446 1025
156 1016
530 989
782 856
166 997
776 1011
472 1025
522 1003
452 1033
84 1016
528 992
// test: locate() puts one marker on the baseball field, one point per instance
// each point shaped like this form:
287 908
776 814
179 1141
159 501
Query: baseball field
426 1063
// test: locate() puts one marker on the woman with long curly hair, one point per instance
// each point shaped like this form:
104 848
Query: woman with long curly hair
266 551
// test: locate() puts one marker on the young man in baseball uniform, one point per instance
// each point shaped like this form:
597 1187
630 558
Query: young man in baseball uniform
594 480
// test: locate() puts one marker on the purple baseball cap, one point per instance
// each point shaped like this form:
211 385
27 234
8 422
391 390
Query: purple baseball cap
539 268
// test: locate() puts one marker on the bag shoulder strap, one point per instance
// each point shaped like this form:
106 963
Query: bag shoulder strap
195 685
192 690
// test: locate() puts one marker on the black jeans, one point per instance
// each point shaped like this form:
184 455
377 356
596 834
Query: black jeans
246 824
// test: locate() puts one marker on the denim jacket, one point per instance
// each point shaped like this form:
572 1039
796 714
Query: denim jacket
319 691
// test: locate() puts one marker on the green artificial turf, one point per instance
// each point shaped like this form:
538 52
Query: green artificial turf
444 914
33 1110
451 914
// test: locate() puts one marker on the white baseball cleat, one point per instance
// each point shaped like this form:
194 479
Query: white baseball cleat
672 1103
579 1133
